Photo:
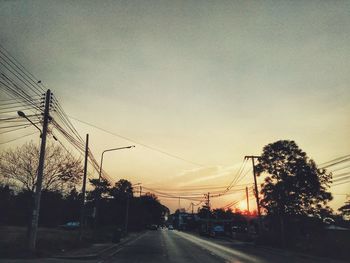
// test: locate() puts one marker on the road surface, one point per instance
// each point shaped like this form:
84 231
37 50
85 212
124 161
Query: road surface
174 246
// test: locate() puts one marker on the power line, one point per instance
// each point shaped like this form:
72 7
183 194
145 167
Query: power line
341 174
19 137
15 129
19 66
336 159
137 142
341 168
336 163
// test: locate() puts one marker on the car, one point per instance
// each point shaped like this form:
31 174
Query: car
71 225
170 227
152 227
217 231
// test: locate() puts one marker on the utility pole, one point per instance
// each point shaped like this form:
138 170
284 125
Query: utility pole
82 208
140 190
39 180
127 213
208 210
192 207
247 195
255 182
253 157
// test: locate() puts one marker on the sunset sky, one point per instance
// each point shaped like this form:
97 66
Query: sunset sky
208 81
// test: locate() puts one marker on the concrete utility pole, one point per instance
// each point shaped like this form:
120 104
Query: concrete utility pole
82 208
39 180
247 195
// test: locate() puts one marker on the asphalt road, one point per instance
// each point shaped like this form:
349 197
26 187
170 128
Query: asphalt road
174 246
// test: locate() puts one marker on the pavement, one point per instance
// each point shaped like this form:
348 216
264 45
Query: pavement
174 246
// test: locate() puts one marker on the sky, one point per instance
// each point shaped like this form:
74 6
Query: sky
208 81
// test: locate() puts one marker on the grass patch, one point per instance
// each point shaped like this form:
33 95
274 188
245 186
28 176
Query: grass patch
50 241
13 243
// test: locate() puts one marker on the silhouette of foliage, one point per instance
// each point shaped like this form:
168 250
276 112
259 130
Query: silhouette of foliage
293 185
345 209
19 167
101 186
122 189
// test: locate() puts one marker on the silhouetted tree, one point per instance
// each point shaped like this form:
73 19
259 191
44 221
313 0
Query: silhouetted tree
6 203
101 187
345 209
221 213
122 189
19 167
204 212
71 206
51 208
293 185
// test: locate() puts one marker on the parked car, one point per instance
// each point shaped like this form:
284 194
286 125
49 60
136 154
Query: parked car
217 231
152 227
170 227
71 225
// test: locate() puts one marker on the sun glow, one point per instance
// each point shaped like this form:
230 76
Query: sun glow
242 206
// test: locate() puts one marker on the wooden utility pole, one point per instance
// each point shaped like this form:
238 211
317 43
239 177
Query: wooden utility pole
39 180
82 208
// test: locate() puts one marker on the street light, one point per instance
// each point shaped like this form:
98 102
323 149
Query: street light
109 150
22 114
100 174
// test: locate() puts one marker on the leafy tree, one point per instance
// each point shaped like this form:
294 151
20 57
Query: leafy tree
153 211
72 203
6 200
204 212
294 185
101 187
345 209
19 167
122 189
51 208
221 213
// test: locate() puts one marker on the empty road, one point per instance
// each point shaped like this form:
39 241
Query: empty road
174 246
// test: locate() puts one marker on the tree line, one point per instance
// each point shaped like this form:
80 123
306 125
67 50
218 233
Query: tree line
60 200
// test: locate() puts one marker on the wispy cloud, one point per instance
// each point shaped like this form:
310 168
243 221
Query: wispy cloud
211 174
